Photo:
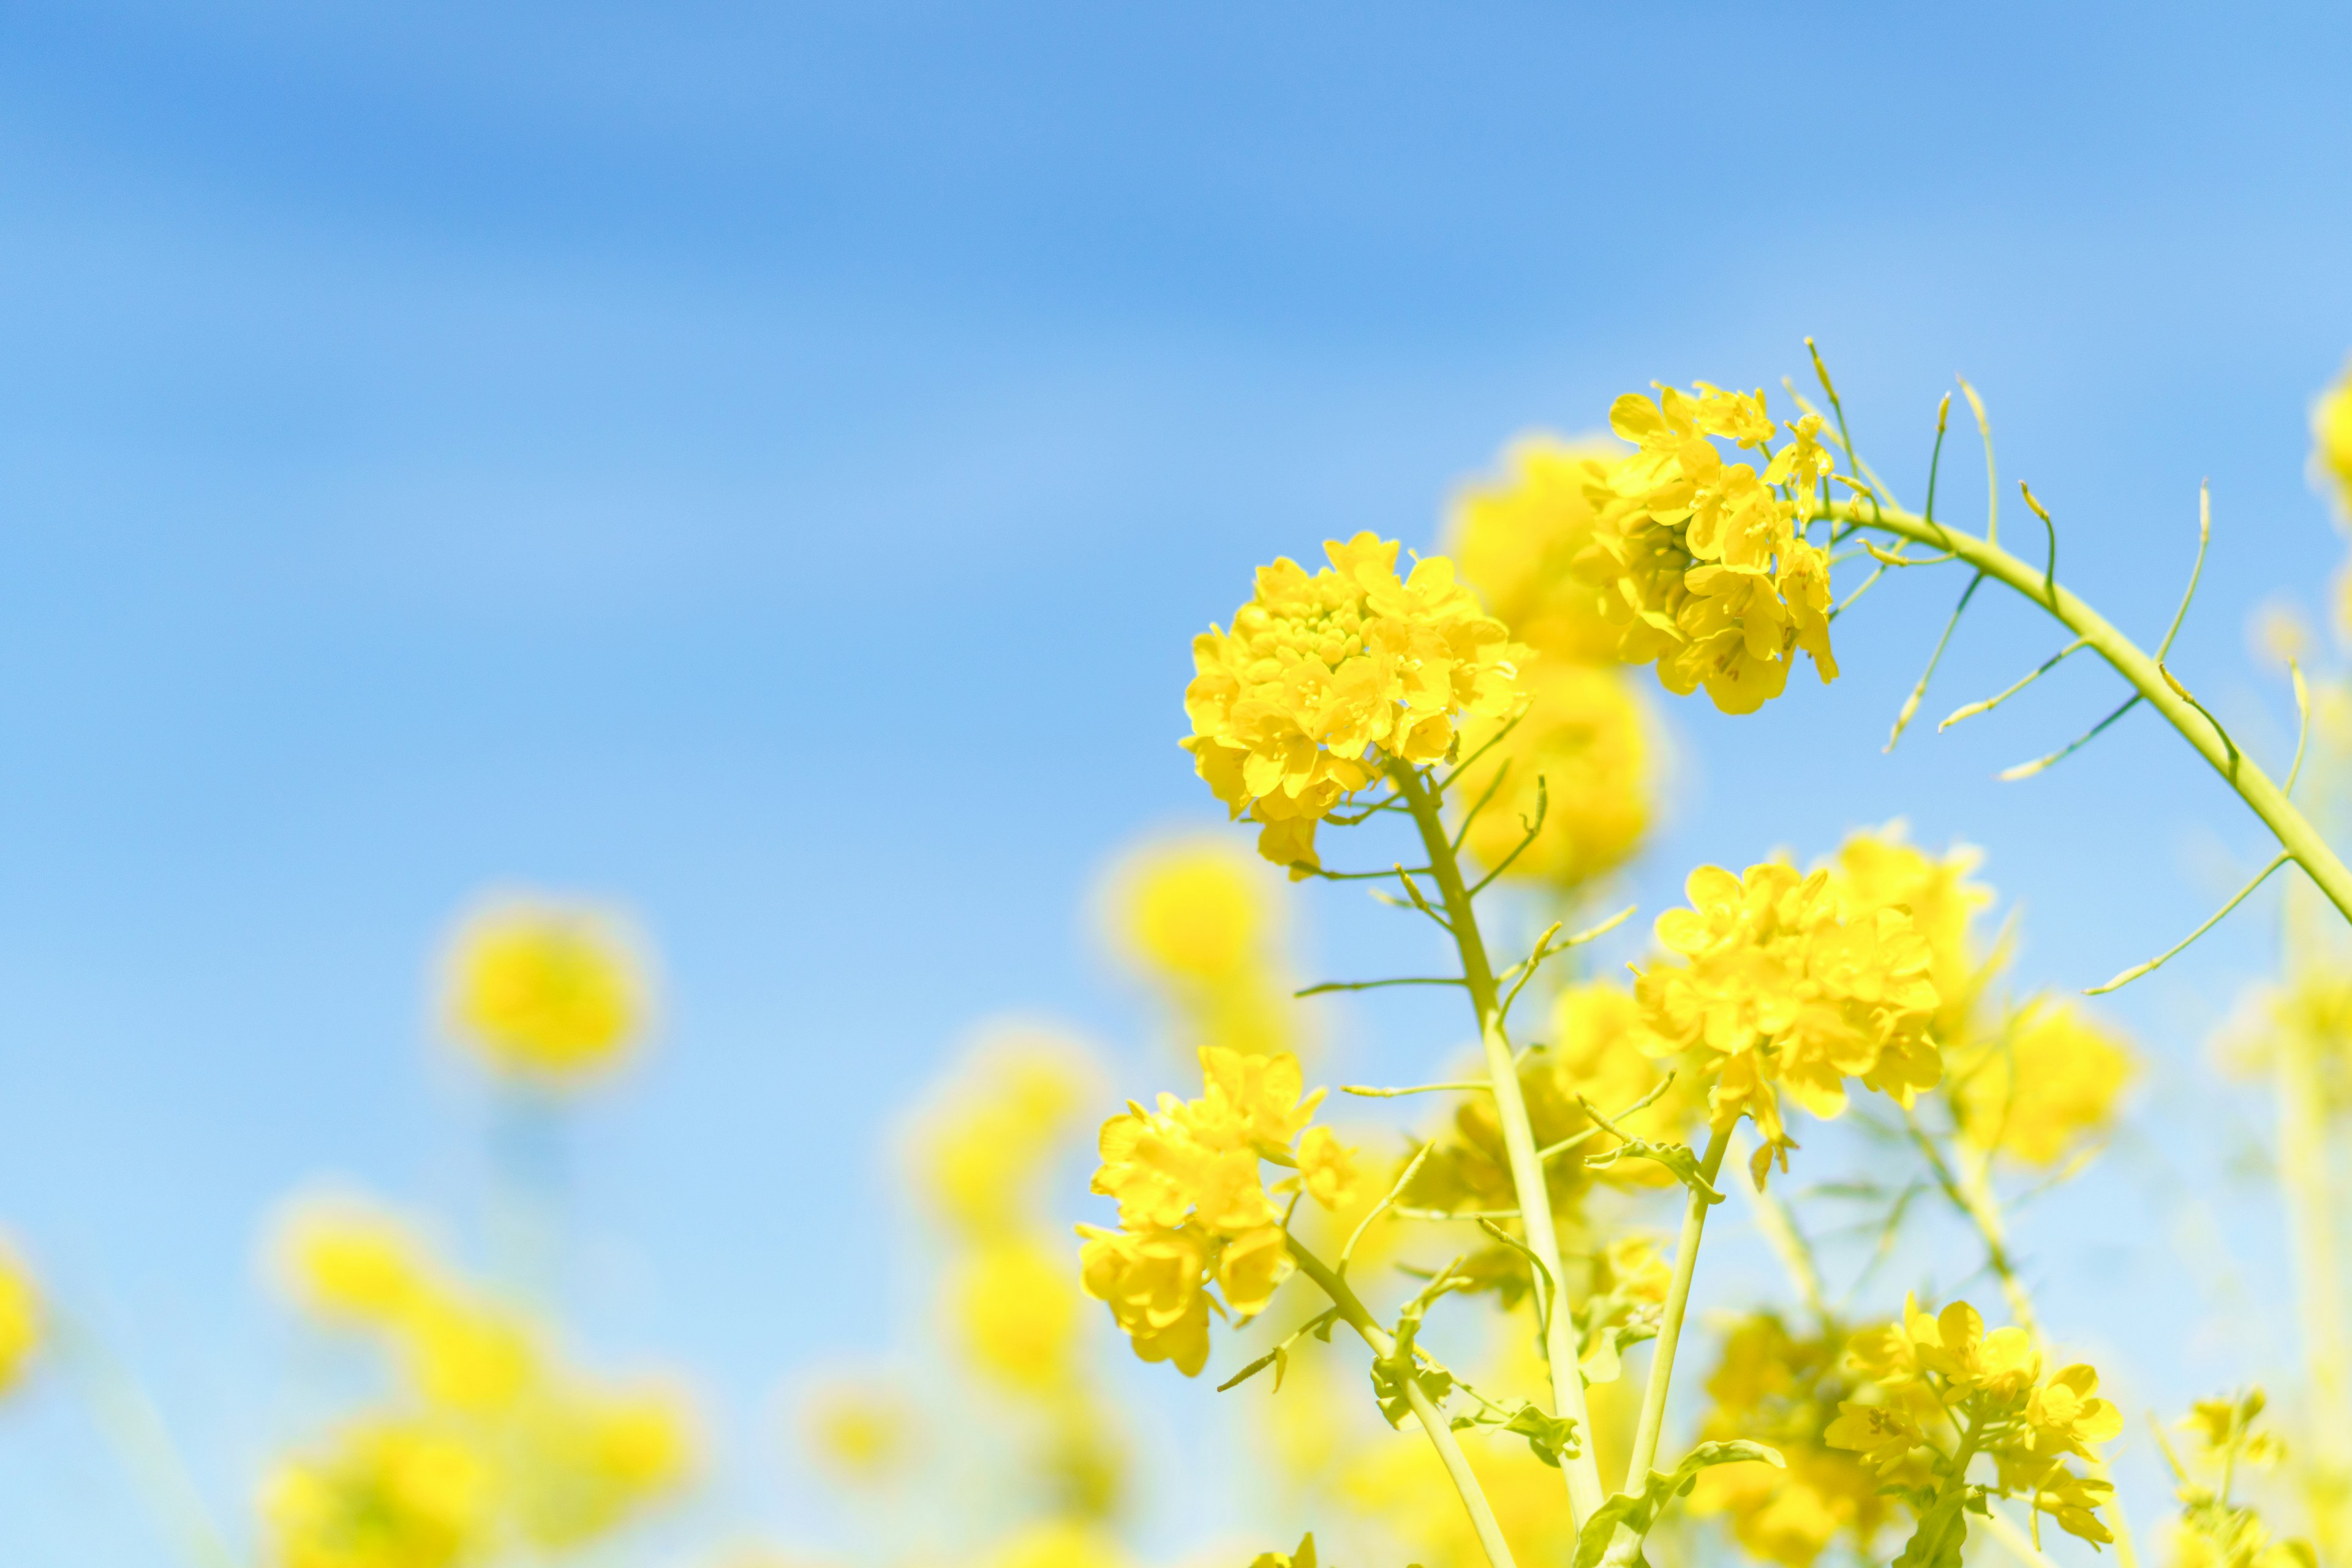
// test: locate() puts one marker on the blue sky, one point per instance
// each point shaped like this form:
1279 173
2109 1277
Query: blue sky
763 465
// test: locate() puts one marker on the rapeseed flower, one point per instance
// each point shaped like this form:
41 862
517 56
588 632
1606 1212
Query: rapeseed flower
582 1460
981 1153
864 1430
1327 677
1779 985
1195 917
2214 1528
1702 564
1876 869
1015 1309
2051 1081
1518 538
1777 1387
1930 1369
1194 1209
1585 737
2331 442
550 993
388 1494
20 1319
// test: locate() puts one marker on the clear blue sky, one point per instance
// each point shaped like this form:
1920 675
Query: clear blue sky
763 464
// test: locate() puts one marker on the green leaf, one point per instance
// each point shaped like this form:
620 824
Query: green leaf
1943 1529
1675 1157
1549 1436
1618 1526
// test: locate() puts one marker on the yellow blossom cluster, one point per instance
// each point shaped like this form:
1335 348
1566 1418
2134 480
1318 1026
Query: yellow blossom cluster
1781 982
20 1318
2331 442
1879 868
1944 1375
492 1441
549 993
981 1154
1778 1388
2049 1082
1195 917
1326 677
1702 564
1194 1211
1584 734
2214 1528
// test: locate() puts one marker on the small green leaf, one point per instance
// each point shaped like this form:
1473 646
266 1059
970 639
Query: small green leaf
1618 1526
1550 1436
1943 1529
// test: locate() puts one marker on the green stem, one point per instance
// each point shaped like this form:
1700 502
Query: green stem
1433 1423
1581 1472
1670 1323
2293 831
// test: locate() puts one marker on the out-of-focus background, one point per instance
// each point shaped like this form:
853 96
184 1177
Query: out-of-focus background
762 466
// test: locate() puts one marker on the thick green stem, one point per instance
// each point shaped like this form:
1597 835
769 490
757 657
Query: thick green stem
1670 1323
2293 831
1582 1470
1433 1422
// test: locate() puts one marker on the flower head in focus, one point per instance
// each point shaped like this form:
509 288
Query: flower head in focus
2051 1081
1878 869
20 1318
547 992
1779 985
390 1494
1326 677
1701 563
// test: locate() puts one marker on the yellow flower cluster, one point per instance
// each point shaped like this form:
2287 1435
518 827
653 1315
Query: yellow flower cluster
1584 734
2036 1093
1781 1389
494 1433
20 1318
2331 441
1324 677
1877 869
1195 916
2213 1530
1702 564
1782 981
550 993
1193 1208
1931 1372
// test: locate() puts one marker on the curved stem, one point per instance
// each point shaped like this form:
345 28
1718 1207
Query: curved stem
1670 1323
2293 831
1582 1471
1433 1423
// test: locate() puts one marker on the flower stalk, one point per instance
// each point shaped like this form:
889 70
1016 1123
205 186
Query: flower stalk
1670 1323
1581 1470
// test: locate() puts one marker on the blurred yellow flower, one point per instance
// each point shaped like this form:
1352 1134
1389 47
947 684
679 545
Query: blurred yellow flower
1585 737
552 992
2331 441
1014 1307
1056 1543
390 1494
862 1429
2038 1092
1328 1168
996 1125
343 1258
1517 541
1326 677
20 1318
1196 917
469 1356
583 1460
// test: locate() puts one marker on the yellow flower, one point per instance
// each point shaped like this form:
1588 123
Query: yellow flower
1884 1438
1328 1168
1152 1281
979 1154
20 1318
345 1259
2053 1081
1774 987
2331 441
1195 909
862 1430
1015 1310
469 1357
584 1461
551 993
1302 1558
1700 563
1323 678
1056 1543
1585 737
1875 870
1518 540
392 1494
